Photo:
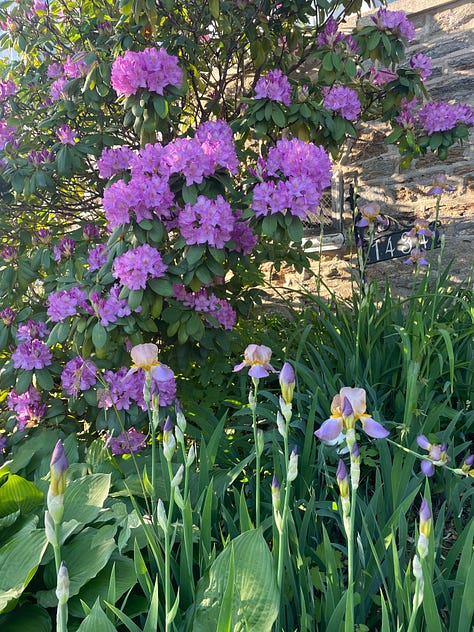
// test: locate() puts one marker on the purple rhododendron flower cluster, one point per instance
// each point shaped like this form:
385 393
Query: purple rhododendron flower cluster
113 160
33 354
207 303
66 135
303 171
126 442
40 157
207 221
152 69
108 310
90 231
34 329
8 88
7 316
97 257
274 86
76 66
58 89
441 116
396 22
135 267
380 76
8 254
65 303
331 37
407 117
148 193
423 64
65 249
123 389
342 100
78 375
27 406
7 134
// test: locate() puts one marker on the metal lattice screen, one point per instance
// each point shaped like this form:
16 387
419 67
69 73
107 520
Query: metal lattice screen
327 219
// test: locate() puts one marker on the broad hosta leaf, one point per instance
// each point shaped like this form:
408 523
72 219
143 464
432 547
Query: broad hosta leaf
27 618
255 598
86 555
85 497
18 494
19 559
125 578
96 621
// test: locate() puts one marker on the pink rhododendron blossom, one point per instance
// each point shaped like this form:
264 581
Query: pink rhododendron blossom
152 69
207 222
344 101
34 329
7 316
58 89
135 267
27 406
64 303
396 22
66 135
126 442
257 358
76 66
274 86
205 302
33 354
78 375
114 160
423 64
216 140
297 173
97 257
7 134
441 116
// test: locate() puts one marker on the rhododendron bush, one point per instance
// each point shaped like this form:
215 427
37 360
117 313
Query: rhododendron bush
153 156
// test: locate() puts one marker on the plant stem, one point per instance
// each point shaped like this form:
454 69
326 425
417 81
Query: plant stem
282 544
349 621
257 453
168 551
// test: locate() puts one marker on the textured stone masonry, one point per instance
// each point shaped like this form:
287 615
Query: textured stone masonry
445 32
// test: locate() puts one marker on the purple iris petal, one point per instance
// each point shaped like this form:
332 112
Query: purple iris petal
427 468
162 373
347 410
257 370
362 223
330 429
239 367
423 442
374 429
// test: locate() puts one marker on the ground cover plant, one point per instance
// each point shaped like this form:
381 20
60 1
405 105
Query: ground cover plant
154 156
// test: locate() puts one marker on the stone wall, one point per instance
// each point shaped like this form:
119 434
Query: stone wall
445 32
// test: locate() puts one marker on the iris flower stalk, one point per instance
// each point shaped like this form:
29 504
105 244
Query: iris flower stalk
52 522
169 446
347 408
257 360
422 550
145 357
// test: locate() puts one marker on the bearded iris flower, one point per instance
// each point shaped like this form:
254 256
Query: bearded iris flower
257 357
145 357
437 455
348 407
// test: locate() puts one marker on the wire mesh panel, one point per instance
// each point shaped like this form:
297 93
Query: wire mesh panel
326 221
